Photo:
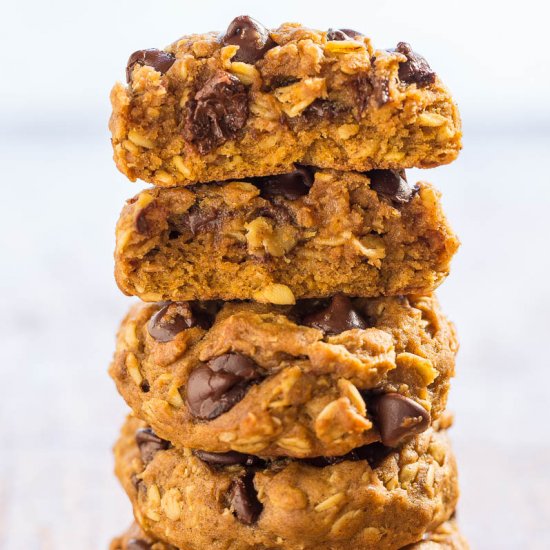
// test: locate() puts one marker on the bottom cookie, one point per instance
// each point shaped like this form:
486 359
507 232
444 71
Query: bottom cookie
446 537
374 498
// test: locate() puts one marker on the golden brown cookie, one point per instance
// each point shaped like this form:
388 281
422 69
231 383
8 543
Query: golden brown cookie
445 537
276 239
316 379
135 539
374 498
252 102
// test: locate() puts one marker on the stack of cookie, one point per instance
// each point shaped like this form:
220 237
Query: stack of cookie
288 366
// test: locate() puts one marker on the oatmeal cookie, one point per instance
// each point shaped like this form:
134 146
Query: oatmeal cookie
252 102
374 498
305 234
445 537
315 379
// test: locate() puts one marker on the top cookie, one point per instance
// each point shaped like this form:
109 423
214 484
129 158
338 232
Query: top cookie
252 102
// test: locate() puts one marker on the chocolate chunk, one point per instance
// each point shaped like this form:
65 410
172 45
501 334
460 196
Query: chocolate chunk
397 417
216 113
243 499
362 88
324 461
216 387
342 34
372 453
149 444
175 317
198 220
159 60
416 69
337 317
251 37
291 186
393 185
138 544
230 458
323 109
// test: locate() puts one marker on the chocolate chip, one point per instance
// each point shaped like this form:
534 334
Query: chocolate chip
337 317
243 499
416 69
397 417
230 458
149 444
372 453
323 109
174 318
159 60
251 37
291 186
393 185
138 544
342 34
216 387
216 113
362 89
198 220
145 386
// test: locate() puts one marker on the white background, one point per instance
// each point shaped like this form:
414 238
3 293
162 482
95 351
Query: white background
61 194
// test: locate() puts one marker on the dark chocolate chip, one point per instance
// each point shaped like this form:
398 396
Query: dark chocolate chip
159 60
243 499
216 113
251 37
198 220
149 444
324 461
393 185
342 34
218 386
174 318
138 544
291 186
416 69
373 453
230 458
323 109
145 386
362 88
397 417
337 317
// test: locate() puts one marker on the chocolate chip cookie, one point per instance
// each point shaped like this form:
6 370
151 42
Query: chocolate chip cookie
274 239
445 537
252 102
374 498
318 378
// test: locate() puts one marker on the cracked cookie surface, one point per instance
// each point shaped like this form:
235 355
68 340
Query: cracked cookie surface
378 499
252 102
315 379
276 239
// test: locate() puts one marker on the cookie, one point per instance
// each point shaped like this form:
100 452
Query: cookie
135 539
305 234
445 537
252 102
315 379
373 498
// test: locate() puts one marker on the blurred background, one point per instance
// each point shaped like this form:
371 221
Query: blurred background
61 195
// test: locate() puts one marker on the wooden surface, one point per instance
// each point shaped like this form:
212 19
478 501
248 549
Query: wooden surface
60 413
